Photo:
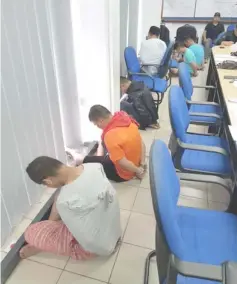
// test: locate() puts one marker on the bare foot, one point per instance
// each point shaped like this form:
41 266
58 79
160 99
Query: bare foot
28 251
155 126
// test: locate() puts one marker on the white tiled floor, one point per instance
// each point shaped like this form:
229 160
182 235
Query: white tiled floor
126 266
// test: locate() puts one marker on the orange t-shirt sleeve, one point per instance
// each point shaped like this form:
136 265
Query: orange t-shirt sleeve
116 153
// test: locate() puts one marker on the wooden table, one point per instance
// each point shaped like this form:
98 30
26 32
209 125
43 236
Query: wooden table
229 91
226 94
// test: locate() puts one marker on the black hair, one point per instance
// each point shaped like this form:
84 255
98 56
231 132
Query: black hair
189 37
97 112
217 14
179 44
154 31
123 80
42 168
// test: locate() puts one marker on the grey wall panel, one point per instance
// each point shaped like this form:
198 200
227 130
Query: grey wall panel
42 21
5 224
37 58
133 23
124 21
13 179
59 12
31 119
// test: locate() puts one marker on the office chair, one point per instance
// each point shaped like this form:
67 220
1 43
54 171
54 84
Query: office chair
201 112
195 152
191 243
136 73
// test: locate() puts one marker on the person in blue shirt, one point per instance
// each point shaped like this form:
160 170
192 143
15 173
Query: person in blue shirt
188 57
198 51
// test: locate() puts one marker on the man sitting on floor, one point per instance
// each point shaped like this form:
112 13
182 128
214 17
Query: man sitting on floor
152 50
122 151
229 38
66 232
138 102
188 57
197 50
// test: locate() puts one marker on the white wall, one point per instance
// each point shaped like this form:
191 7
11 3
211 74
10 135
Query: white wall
96 47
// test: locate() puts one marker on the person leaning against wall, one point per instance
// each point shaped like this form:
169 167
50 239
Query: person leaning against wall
210 34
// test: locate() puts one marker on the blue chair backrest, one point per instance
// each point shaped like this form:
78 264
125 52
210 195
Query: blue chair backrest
231 28
185 81
131 60
165 190
179 115
164 64
219 37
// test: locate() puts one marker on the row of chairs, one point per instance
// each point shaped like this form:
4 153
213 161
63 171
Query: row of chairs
193 245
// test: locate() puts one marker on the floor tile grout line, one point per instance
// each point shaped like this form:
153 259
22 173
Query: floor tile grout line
139 246
122 241
50 265
59 277
88 277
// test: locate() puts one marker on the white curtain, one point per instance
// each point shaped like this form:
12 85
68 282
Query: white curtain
31 121
96 46
56 63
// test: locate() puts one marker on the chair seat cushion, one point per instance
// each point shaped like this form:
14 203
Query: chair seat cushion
201 161
207 140
173 63
188 280
209 236
215 109
160 84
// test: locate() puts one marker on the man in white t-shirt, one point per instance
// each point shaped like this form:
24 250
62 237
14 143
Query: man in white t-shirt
152 50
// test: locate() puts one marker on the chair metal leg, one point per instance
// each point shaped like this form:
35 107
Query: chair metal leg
147 266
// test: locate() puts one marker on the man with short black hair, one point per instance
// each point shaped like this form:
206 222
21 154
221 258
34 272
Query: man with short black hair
57 234
211 32
229 38
188 58
152 50
197 49
123 153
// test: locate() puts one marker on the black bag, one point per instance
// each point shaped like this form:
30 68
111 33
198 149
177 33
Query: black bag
140 105
184 31
164 34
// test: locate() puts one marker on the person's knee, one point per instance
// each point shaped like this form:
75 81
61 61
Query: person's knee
30 233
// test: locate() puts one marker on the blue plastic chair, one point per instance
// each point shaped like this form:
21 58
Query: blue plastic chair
200 112
165 62
231 28
195 152
186 238
136 73
219 37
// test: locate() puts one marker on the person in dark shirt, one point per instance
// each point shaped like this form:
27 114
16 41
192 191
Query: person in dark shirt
211 32
228 38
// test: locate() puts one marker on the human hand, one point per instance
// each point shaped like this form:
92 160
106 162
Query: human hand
140 173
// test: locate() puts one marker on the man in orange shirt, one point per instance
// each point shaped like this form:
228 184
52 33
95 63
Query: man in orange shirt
122 152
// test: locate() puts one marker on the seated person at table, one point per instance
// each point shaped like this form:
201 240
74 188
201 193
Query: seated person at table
188 57
138 102
122 151
210 34
60 234
229 38
198 51
152 50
